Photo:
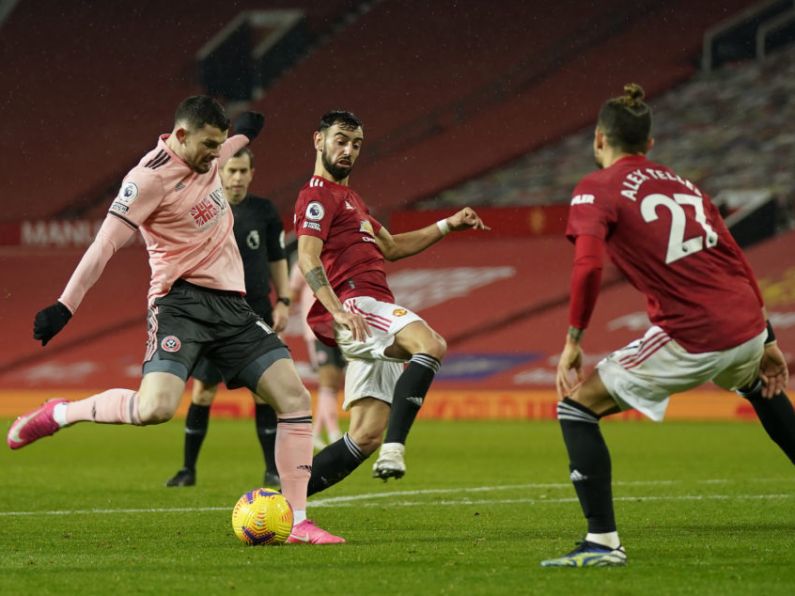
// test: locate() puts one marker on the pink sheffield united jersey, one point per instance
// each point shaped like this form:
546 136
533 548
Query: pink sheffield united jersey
352 260
670 242
184 220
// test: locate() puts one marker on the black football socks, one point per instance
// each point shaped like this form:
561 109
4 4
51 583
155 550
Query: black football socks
265 419
410 391
589 464
777 417
196 424
334 463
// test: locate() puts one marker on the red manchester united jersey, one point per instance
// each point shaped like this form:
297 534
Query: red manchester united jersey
670 242
353 262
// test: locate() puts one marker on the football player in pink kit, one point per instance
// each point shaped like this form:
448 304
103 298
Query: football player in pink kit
175 199
341 252
706 310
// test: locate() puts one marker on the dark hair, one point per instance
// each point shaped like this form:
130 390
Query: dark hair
198 110
246 151
626 120
347 120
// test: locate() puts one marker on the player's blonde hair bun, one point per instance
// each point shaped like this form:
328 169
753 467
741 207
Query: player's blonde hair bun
633 95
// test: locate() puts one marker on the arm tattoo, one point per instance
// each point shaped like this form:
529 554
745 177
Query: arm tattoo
576 334
316 278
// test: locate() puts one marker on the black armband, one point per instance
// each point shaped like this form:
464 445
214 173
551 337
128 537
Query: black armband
771 336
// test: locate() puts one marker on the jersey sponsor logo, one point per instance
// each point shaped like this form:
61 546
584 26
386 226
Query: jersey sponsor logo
583 200
315 211
204 212
315 182
170 343
252 240
312 225
400 312
349 207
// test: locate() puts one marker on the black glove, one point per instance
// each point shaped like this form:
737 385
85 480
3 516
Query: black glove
49 321
249 124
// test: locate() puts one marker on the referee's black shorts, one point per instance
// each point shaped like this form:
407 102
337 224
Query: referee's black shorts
192 323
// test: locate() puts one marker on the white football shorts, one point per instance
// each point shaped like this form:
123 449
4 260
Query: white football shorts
644 374
370 372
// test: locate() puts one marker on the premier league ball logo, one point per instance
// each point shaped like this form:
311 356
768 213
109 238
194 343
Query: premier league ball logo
315 211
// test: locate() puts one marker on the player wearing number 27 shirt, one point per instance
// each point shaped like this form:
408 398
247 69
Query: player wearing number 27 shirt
705 307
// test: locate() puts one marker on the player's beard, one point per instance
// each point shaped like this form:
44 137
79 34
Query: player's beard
337 172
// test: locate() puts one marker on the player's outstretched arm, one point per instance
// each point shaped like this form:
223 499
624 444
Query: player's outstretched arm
112 235
407 244
309 249
247 127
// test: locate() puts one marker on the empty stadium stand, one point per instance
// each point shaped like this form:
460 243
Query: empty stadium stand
727 129
446 92
88 86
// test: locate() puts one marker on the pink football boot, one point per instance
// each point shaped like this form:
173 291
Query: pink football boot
32 427
308 533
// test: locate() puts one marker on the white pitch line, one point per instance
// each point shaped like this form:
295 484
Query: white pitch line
530 501
350 500
476 489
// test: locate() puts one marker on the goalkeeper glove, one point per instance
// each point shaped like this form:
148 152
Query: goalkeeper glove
249 124
49 321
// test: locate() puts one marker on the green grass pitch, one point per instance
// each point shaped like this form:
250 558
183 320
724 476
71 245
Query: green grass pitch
703 508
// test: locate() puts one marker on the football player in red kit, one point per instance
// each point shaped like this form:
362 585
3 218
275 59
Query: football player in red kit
706 311
341 252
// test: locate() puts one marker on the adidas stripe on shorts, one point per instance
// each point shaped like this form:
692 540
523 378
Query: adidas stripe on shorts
370 373
644 374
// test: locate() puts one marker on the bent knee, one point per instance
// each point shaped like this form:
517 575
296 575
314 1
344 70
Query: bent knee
368 443
436 346
204 397
157 409
368 439
297 400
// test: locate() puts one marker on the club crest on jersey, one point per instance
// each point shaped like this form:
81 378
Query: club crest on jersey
170 343
252 240
400 312
315 211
